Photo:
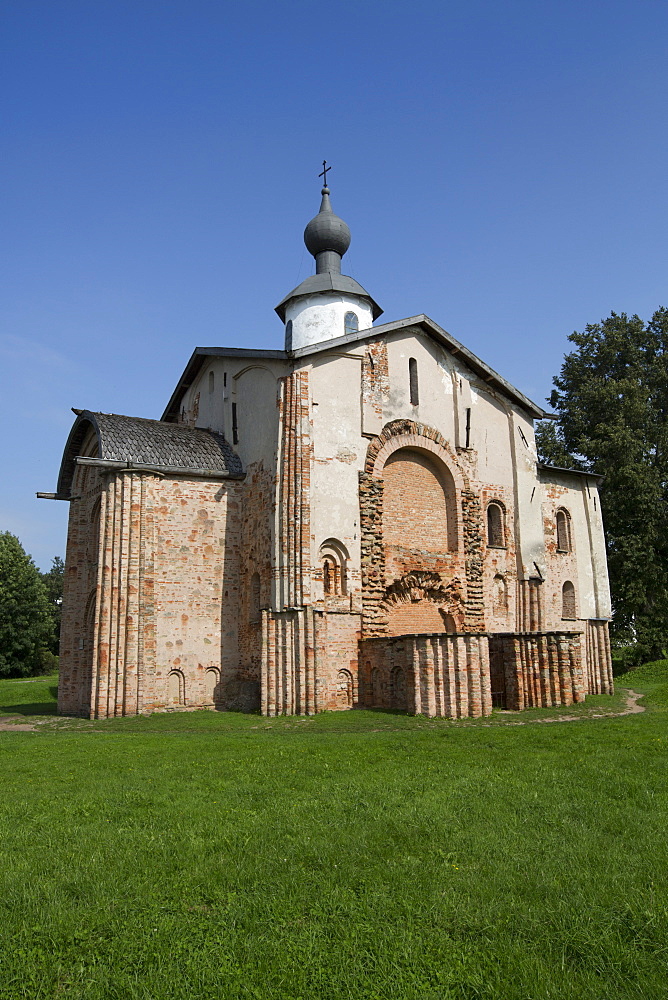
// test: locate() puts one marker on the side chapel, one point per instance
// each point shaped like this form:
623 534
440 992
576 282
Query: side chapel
358 519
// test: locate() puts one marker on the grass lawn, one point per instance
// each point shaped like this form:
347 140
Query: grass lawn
363 855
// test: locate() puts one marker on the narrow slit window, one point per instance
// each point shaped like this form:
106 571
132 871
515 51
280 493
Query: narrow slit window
235 427
288 335
351 323
495 532
413 381
563 532
468 427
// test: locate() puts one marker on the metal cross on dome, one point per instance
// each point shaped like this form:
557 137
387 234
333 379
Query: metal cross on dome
325 168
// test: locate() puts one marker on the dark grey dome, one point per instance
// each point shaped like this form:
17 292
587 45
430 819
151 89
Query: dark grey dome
326 231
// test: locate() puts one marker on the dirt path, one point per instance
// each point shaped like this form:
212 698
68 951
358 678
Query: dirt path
15 723
632 708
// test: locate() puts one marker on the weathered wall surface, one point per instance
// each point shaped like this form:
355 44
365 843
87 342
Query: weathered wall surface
196 592
164 601
80 593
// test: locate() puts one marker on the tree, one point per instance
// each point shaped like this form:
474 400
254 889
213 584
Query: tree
611 399
53 584
26 623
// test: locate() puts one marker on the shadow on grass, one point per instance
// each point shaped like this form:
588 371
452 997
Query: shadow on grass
34 707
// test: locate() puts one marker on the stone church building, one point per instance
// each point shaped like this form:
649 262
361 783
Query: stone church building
358 519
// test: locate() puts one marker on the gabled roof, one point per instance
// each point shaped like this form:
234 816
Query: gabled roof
423 324
420 324
135 441
197 361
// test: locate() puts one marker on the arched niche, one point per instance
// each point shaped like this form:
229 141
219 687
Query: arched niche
420 523
333 559
176 688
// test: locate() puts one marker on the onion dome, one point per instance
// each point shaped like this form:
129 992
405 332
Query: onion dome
327 234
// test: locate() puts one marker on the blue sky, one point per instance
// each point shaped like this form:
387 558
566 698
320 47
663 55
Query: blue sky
502 166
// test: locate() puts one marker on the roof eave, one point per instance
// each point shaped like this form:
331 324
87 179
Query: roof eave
196 362
432 329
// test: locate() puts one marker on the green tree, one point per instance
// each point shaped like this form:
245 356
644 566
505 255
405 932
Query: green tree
26 623
53 584
611 399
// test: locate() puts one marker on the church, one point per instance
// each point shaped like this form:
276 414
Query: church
358 519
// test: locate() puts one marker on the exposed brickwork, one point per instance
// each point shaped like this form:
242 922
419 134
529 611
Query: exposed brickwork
293 493
410 523
473 548
80 593
373 554
419 515
539 671
420 602
435 675
375 378
255 557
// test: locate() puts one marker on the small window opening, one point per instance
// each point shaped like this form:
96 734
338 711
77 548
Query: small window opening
468 427
568 600
235 428
351 323
288 335
495 533
331 577
563 532
224 379
212 380
413 381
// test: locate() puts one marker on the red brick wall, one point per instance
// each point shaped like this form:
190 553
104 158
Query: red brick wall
418 503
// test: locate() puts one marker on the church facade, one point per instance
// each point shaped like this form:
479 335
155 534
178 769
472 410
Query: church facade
358 519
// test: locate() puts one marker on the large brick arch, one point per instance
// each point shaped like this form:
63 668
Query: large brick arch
463 556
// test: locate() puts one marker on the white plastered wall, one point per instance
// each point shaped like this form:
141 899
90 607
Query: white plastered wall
339 452
318 318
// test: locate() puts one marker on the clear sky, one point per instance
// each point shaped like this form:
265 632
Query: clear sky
502 165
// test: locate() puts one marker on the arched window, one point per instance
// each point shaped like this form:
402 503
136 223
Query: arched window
334 560
351 324
563 531
568 600
344 689
212 381
176 688
495 527
211 682
288 335
413 381
254 615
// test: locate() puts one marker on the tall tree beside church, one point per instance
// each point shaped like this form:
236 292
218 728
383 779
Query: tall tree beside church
611 398
26 623
53 584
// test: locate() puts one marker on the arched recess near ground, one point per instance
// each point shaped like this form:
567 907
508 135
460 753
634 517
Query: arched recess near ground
211 686
344 689
176 689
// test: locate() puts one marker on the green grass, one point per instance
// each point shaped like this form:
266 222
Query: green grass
29 696
355 855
